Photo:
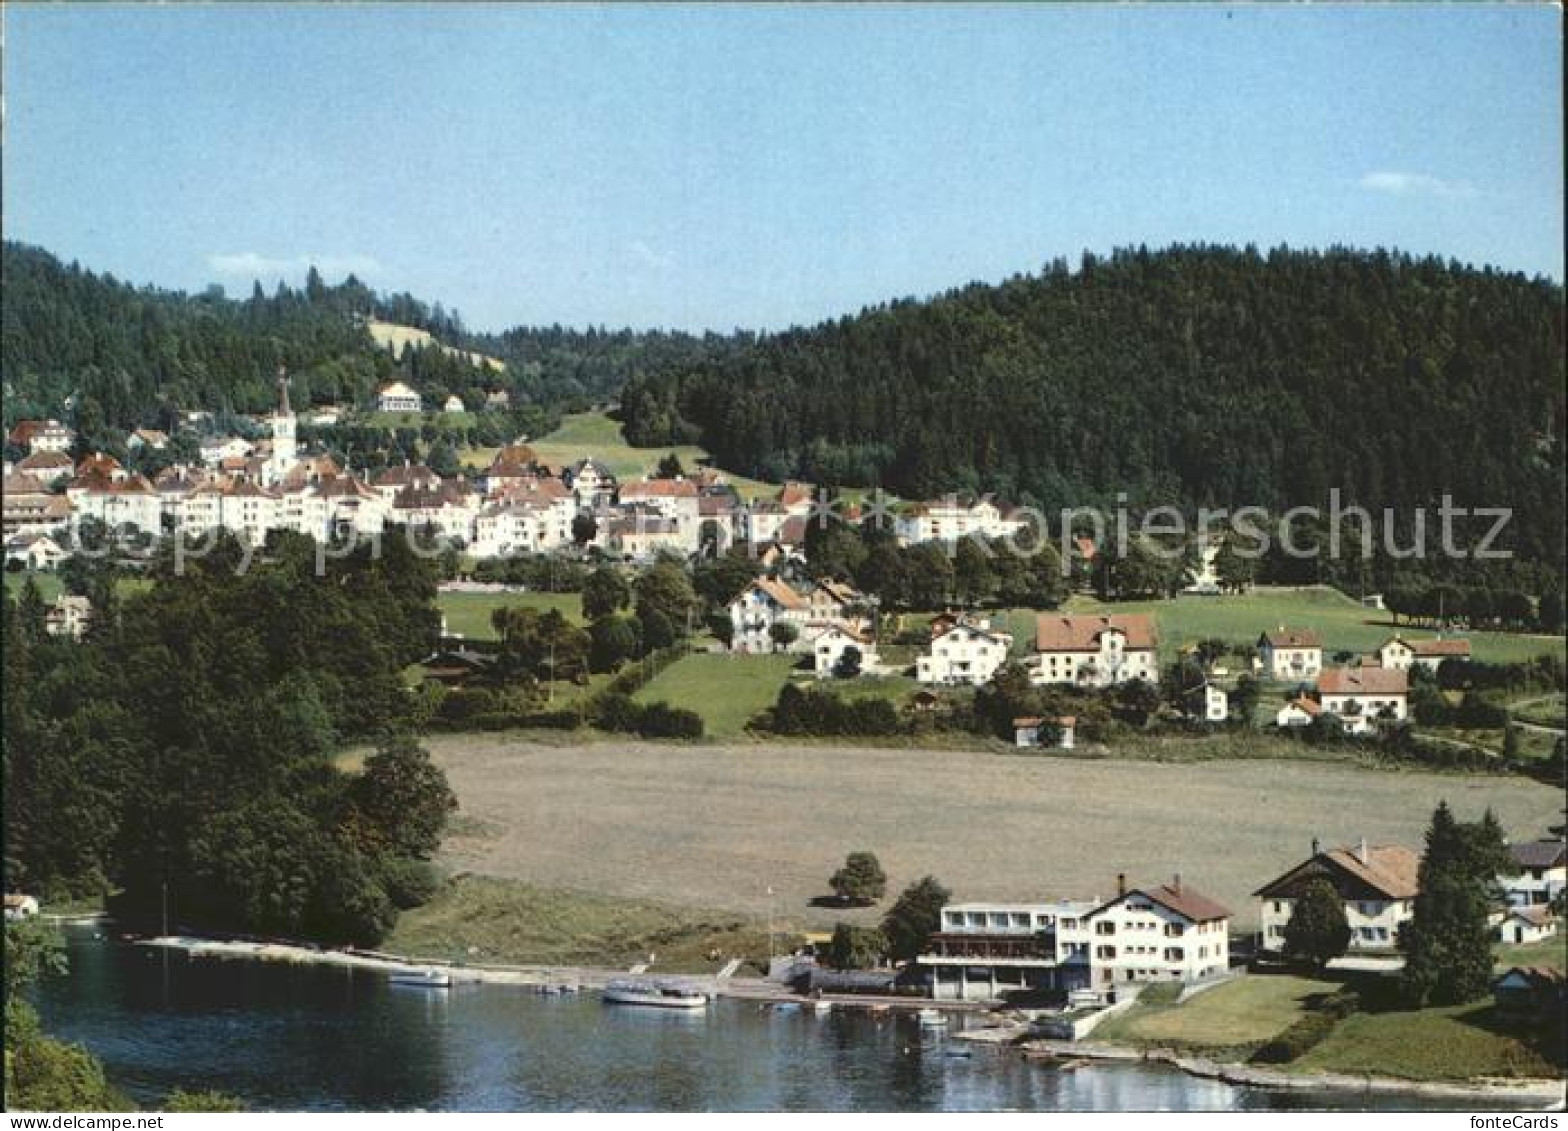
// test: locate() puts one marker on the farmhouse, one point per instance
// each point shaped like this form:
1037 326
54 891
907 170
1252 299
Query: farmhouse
1291 654
1376 883
1362 696
398 397
1094 651
48 467
761 605
969 652
1401 655
1541 873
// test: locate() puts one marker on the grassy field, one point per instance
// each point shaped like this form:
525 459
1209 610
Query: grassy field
716 826
1344 624
1243 1012
49 585
594 434
726 690
1547 952
478 920
468 614
1456 1042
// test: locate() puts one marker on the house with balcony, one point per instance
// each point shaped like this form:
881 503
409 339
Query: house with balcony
1541 873
967 652
1159 933
1376 883
986 951
1291 654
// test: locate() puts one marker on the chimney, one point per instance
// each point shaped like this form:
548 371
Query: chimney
1176 883
1121 884
1315 846
1361 852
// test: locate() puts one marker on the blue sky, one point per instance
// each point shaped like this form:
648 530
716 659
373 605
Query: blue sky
763 166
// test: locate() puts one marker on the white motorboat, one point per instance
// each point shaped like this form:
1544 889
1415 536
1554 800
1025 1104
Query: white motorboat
932 1019
662 995
428 979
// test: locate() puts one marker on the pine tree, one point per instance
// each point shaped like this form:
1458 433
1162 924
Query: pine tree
1448 943
1317 931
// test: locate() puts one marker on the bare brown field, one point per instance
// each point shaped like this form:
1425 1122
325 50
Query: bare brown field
716 826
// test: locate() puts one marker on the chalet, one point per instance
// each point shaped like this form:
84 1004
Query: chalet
1362 696
1094 651
1167 932
1541 872
398 397
1532 991
34 551
1399 654
761 605
1291 654
1035 731
591 482
970 652
829 645
1377 884
1527 925
1298 712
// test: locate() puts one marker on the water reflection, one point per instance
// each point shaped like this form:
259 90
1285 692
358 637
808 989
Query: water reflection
292 1037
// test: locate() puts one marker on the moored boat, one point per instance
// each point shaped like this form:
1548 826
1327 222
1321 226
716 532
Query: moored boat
429 979
932 1019
662 995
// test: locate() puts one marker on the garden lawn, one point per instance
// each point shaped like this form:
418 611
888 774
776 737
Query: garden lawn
726 690
480 920
593 434
1246 1011
1546 952
1344 624
1449 1043
468 614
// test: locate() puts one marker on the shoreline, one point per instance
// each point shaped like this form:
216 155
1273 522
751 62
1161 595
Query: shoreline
1534 1091
1527 1091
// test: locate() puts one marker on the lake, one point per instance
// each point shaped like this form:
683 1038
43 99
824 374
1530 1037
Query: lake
294 1037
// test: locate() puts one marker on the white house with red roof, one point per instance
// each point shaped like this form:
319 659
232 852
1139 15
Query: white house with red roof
1094 650
1363 696
1402 655
949 519
1376 883
1291 654
963 652
1160 933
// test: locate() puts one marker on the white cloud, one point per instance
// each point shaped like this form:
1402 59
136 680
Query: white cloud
1412 184
252 265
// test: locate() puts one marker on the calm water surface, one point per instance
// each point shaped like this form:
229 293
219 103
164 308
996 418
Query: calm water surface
313 1038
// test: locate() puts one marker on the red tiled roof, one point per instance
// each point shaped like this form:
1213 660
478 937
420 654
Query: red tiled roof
1363 681
659 489
1056 633
1292 638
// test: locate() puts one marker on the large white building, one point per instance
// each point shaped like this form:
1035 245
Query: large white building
1094 650
1376 883
966 652
1363 696
398 397
1161 933
948 520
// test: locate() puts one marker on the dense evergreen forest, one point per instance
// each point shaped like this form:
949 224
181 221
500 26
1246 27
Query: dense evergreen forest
135 356
1189 376
181 755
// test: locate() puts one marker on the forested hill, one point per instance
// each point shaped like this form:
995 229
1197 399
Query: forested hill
1193 375
136 355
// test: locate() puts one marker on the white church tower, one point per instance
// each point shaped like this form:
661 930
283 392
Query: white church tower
285 451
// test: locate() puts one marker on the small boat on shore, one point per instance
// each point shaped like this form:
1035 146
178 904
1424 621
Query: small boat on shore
661 995
424 979
932 1019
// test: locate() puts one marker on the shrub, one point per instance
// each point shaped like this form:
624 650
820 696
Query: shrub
660 720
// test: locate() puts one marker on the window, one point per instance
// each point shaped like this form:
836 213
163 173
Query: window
1174 930
1105 952
1175 954
1105 927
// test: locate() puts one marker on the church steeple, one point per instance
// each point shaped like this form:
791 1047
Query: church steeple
283 392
